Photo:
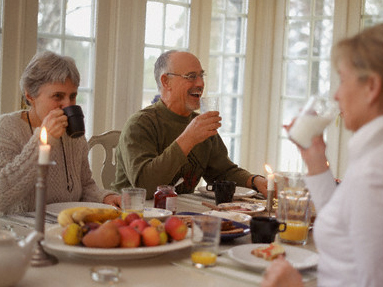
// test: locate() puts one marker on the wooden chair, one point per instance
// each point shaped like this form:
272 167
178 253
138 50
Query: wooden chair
108 140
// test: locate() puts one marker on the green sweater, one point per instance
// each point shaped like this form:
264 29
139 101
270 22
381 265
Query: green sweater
148 155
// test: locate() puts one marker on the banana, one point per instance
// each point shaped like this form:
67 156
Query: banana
64 218
95 215
81 215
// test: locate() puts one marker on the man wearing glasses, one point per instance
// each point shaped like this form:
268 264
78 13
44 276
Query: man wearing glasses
169 140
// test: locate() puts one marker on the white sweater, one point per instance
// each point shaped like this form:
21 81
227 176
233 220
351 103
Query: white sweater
348 229
19 151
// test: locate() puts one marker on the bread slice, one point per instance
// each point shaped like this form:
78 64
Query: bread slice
269 252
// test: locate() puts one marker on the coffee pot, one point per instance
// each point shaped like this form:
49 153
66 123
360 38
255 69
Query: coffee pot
15 256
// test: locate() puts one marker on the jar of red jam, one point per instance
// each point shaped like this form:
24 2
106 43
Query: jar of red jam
166 198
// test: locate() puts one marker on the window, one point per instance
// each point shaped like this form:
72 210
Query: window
372 12
68 28
167 28
306 66
227 66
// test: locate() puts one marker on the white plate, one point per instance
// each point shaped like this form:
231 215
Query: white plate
53 244
253 208
298 257
239 192
161 214
149 213
234 216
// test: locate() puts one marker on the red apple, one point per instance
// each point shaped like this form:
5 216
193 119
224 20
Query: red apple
130 238
176 228
119 222
130 217
139 225
150 236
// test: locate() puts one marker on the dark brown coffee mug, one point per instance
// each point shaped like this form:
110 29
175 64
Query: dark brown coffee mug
223 190
263 229
76 126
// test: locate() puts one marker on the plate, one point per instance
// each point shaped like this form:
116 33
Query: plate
240 192
249 208
298 257
161 214
234 216
53 244
225 237
149 213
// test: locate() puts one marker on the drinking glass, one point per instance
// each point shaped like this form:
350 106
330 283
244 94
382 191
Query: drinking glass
133 200
315 116
209 104
293 207
206 234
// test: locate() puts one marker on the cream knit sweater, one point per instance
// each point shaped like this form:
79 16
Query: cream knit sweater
19 151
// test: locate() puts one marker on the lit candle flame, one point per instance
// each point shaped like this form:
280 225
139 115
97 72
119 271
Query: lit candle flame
44 136
268 168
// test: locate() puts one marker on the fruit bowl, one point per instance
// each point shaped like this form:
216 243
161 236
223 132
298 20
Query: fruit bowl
54 244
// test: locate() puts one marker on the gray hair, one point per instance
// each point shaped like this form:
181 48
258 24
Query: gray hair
161 66
47 67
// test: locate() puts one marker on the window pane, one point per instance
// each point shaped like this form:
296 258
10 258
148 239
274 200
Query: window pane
322 38
49 16
373 13
324 7
299 8
79 18
82 54
296 78
233 76
154 23
53 45
214 80
237 6
299 38
216 37
177 22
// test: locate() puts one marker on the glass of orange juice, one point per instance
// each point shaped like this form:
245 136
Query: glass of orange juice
206 232
294 208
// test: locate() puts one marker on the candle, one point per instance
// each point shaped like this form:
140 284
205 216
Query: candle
45 148
270 177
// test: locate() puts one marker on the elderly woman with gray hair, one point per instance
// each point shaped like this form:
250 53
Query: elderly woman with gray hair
49 83
347 229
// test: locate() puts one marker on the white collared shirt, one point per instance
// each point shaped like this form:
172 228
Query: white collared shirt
348 230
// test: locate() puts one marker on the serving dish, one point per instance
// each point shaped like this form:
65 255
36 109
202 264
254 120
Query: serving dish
54 244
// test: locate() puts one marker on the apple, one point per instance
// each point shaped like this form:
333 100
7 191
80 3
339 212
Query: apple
130 217
176 228
119 222
139 225
150 236
130 238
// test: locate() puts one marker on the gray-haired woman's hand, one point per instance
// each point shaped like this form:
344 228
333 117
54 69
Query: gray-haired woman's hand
55 123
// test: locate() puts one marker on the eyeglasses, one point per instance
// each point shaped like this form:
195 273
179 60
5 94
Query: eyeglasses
191 77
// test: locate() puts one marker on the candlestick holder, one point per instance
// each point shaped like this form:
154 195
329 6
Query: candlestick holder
40 258
269 203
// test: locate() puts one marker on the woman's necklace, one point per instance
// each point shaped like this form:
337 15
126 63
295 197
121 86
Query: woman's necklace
68 186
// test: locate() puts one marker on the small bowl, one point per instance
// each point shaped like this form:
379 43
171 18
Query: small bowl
105 274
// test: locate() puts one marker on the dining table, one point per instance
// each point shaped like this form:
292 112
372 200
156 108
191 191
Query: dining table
173 268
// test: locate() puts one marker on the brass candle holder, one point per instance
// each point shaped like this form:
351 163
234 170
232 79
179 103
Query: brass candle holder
40 258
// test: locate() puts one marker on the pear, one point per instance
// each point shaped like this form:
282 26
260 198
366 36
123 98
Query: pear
106 236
